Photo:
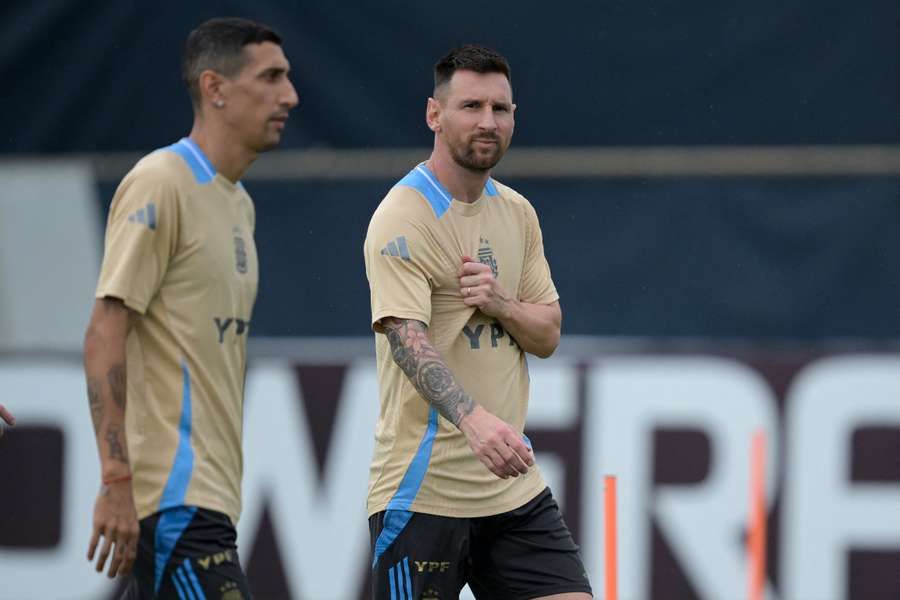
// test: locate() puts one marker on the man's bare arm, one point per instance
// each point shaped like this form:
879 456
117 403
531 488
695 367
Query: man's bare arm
536 327
497 445
417 358
115 518
105 367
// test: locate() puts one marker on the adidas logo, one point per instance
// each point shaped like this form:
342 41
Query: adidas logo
397 247
144 216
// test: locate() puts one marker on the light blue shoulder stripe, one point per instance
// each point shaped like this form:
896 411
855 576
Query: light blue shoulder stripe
202 168
424 181
398 514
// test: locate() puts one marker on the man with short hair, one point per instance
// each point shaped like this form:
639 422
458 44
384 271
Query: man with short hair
165 350
460 290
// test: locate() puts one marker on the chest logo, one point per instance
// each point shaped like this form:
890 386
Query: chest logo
240 326
495 334
486 256
240 251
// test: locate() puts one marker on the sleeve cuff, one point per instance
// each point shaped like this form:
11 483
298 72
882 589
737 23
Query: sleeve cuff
397 314
131 302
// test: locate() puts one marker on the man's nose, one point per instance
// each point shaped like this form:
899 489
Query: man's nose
290 98
487 120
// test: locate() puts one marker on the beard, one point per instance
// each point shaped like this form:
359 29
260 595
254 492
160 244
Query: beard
470 159
268 141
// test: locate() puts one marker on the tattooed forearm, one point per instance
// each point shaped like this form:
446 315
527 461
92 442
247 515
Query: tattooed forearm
116 378
397 333
417 358
435 381
96 403
116 447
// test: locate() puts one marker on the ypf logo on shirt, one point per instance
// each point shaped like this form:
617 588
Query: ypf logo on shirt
432 566
224 324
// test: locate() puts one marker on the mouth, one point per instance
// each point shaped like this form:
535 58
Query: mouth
279 120
486 142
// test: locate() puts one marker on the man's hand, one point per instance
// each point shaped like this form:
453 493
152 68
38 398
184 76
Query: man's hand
115 518
496 444
534 327
478 287
7 417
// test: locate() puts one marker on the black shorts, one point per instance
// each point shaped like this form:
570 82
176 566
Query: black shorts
187 553
524 553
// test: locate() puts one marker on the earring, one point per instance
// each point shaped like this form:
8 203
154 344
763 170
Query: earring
219 103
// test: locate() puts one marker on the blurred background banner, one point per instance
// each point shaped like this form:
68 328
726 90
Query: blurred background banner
719 191
89 75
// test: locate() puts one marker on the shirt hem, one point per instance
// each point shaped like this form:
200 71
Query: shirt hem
146 511
469 513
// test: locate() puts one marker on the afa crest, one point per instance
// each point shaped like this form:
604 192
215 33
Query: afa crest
240 251
486 256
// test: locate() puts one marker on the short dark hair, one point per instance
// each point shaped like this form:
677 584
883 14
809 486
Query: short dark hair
470 57
218 45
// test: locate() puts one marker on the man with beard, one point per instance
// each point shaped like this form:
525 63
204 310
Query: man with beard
165 351
460 290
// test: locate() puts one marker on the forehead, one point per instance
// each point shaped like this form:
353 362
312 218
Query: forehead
264 56
488 86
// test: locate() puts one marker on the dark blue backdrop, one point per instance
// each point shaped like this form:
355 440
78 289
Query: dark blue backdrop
745 257
95 75
757 258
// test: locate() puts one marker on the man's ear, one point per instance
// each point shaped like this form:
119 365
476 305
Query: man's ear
211 88
433 114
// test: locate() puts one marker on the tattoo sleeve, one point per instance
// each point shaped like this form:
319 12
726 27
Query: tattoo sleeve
417 358
105 360
116 445
96 403
116 378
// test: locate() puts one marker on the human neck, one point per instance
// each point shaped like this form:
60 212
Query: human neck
463 184
228 156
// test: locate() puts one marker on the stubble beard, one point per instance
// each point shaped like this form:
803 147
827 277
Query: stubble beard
470 160
269 142
268 145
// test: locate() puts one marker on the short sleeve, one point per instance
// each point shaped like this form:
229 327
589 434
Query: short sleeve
141 238
536 286
399 280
